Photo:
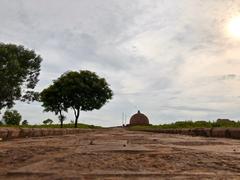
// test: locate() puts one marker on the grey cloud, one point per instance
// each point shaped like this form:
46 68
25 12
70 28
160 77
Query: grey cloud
174 74
190 108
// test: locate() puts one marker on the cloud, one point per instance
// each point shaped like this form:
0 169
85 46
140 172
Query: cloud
172 60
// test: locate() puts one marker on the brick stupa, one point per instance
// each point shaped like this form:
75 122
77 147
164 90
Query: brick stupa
139 119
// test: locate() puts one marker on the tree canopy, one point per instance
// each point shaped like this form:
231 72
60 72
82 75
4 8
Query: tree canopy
48 121
19 71
81 91
12 117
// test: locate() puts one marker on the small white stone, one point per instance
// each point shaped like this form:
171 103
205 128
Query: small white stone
1 139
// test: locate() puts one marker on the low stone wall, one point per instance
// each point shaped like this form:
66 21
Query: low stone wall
11 133
233 133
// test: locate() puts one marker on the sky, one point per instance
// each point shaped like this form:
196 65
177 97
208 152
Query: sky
173 60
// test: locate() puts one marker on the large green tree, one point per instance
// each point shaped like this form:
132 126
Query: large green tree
12 117
19 71
81 91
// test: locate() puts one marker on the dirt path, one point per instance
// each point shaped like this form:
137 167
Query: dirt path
120 154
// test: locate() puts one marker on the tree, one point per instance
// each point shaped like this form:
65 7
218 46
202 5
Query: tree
47 121
1 123
82 91
53 101
61 119
12 117
25 122
19 71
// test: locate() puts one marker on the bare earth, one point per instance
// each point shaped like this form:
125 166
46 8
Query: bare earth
120 154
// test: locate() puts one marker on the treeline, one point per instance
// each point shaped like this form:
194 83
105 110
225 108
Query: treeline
199 124
12 118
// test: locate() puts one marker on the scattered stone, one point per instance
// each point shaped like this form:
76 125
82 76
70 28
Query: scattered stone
91 143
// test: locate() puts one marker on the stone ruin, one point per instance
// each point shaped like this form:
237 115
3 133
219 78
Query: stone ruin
139 119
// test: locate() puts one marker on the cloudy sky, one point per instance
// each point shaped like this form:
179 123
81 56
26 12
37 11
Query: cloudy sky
173 60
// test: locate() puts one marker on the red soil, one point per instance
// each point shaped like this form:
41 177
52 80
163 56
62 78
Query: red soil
120 154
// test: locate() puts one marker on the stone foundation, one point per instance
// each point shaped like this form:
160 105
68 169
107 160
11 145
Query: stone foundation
233 133
12 133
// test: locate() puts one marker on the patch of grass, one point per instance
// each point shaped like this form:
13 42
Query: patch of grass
222 123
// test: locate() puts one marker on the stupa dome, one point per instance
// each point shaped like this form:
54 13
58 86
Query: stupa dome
139 119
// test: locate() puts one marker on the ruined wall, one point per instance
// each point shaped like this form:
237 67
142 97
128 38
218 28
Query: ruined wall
11 133
233 133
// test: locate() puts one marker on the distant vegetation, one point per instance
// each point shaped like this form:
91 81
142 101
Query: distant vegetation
191 124
47 122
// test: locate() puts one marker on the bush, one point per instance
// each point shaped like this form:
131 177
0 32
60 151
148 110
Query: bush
12 117
25 122
224 123
48 121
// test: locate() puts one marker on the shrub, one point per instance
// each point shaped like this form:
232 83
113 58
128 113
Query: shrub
48 121
25 122
12 117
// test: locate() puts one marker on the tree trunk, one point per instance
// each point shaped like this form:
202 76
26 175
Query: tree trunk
61 119
76 113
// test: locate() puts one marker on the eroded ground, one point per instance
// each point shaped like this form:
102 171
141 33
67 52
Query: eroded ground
120 154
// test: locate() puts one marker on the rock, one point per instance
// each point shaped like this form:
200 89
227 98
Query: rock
206 132
3 133
186 131
26 132
234 133
219 132
46 131
13 133
37 132
64 131
91 143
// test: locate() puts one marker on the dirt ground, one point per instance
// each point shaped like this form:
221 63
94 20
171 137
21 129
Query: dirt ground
120 154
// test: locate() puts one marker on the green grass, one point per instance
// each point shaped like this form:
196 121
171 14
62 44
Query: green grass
222 123
82 126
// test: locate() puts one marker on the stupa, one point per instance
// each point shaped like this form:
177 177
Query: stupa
139 119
